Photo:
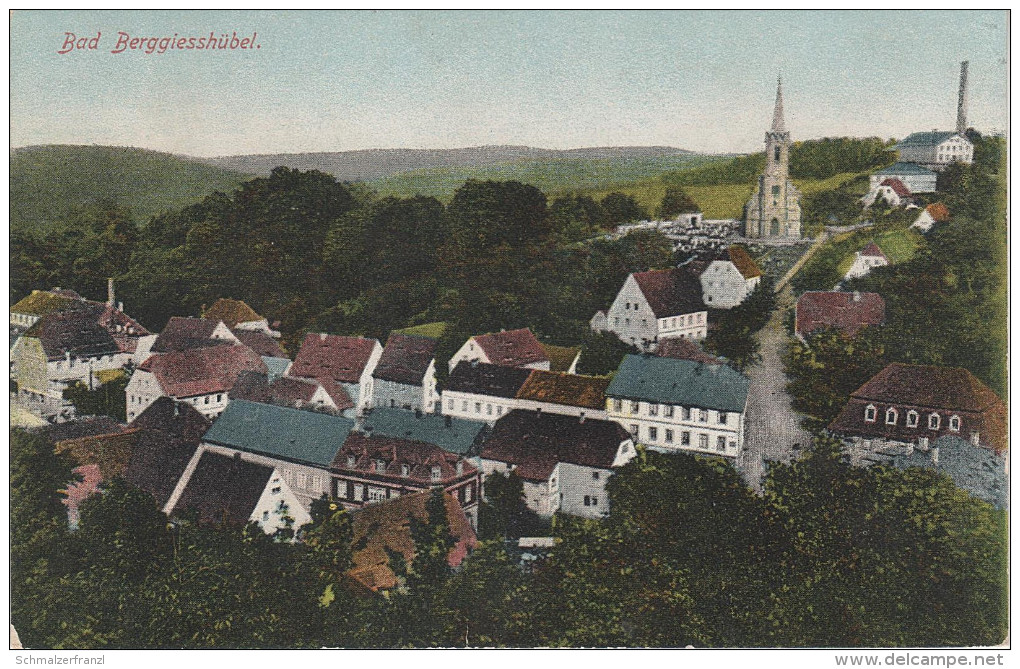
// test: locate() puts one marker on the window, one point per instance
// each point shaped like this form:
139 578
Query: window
594 501
478 407
206 398
351 462
626 321
618 405
595 476
265 516
449 405
468 492
219 398
488 409
912 418
720 443
703 416
380 466
685 438
463 406
686 413
436 473
933 421
616 320
869 413
376 494
626 305
635 407
633 430
669 436
302 480
276 490
653 409
499 410
775 189
703 441
405 470
667 411
954 423
653 434
587 500
891 416
722 418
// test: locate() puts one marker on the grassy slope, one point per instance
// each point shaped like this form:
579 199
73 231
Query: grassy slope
48 183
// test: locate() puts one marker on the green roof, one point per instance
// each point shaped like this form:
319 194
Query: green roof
41 303
680 382
277 366
904 168
458 438
279 432
933 138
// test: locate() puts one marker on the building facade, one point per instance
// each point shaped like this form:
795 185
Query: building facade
936 150
774 208
916 178
729 278
658 304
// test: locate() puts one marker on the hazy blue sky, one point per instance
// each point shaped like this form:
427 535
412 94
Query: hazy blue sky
324 81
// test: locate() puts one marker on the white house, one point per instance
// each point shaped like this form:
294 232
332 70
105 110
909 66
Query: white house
679 405
914 177
482 392
932 214
865 260
510 348
936 150
729 278
405 376
564 462
349 361
892 190
658 304
237 315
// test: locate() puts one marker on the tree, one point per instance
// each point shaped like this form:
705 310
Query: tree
621 208
505 514
676 202
576 217
602 353
734 336
106 400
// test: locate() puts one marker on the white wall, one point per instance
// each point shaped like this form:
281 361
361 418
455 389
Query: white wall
703 435
269 513
477 407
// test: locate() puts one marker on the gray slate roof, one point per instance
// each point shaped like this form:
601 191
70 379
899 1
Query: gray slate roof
977 470
680 382
458 438
904 168
280 432
926 138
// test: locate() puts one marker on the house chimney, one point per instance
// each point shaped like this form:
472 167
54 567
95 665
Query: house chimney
449 421
120 306
961 105
857 296
935 455
417 413
109 292
460 467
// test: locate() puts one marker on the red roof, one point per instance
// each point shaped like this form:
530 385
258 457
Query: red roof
420 458
742 260
872 250
260 342
847 312
684 349
898 186
671 292
512 348
201 371
333 357
405 359
938 211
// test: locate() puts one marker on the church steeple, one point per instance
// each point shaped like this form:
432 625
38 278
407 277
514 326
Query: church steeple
778 122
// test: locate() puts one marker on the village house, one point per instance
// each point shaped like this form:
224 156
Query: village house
729 278
299 444
29 309
509 348
562 358
289 391
382 530
454 435
847 312
686 349
679 405
865 260
405 376
183 333
348 361
658 304
932 214
566 394
936 150
892 190
916 178
563 461
912 405
202 376
225 491
237 315
482 392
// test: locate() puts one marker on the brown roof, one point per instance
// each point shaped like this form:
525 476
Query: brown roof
535 442
405 359
873 250
481 378
561 388
260 342
201 371
938 211
744 263
511 348
930 386
897 186
561 358
847 312
684 349
379 529
231 312
223 490
671 292
75 332
182 332
419 456
332 357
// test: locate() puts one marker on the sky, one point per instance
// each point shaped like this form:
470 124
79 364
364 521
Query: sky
336 81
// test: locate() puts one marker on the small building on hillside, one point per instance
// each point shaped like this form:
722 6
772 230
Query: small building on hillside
183 333
932 214
892 190
916 178
562 358
237 315
847 312
405 376
680 405
866 260
980 471
936 150
658 304
563 461
912 405
348 361
510 348
729 278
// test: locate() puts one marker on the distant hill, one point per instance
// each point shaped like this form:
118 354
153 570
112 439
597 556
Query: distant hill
48 183
368 165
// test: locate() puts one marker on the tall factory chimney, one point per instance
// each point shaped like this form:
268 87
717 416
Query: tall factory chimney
961 106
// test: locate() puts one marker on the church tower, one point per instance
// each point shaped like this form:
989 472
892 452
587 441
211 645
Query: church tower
774 209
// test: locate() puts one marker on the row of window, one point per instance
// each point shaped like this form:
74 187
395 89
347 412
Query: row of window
465 407
892 417
672 322
685 438
627 306
591 501
97 360
302 481
669 411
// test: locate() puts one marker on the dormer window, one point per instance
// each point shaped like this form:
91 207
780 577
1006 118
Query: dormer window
933 421
912 418
954 423
891 416
405 470
436 473
351 461
380 466
869 413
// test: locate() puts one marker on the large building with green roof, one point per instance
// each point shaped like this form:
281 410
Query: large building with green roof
680 405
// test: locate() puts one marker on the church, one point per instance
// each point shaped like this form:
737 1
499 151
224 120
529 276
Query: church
774 209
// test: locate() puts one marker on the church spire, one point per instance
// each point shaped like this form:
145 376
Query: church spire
778 122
